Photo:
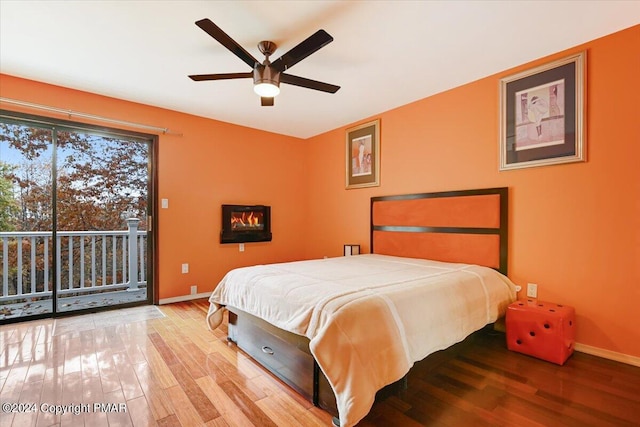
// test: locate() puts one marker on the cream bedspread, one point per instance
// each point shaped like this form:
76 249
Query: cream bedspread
369 318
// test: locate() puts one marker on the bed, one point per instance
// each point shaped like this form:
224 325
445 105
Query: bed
338 330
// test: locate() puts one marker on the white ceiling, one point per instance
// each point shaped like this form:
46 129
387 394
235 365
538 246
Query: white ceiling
385 53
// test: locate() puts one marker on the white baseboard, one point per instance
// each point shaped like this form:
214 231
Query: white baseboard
183 298
608 354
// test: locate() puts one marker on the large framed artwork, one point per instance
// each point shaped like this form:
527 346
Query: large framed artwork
542 114
363 155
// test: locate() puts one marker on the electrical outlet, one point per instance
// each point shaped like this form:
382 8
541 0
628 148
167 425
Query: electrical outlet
532 290
241 247
194 289
185 268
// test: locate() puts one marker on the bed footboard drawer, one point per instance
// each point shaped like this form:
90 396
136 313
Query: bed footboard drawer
284 354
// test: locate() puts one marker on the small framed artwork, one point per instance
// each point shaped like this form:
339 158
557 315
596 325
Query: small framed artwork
542 113
363 155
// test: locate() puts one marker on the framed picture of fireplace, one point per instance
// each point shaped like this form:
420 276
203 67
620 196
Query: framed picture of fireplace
363 155
542 114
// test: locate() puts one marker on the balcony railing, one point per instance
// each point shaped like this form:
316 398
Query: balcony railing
86 261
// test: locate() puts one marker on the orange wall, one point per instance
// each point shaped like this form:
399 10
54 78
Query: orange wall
210 164
574 228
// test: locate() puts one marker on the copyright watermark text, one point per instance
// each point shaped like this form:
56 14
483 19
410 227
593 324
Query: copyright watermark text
69 408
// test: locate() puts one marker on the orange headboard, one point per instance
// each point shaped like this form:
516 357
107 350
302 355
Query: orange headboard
468 226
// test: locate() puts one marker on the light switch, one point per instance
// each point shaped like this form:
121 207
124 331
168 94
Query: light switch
165 203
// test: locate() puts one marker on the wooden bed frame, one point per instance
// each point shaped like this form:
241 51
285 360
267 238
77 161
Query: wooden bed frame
468 226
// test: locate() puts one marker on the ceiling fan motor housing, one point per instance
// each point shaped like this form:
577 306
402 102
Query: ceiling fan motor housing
266 74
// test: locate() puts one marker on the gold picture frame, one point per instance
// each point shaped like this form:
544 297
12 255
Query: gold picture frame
363 155
542 114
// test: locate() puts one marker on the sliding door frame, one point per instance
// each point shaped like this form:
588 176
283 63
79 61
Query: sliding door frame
152 141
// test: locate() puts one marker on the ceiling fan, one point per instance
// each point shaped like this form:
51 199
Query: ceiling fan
268 75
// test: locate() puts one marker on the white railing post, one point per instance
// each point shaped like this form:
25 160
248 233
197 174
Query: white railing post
132 223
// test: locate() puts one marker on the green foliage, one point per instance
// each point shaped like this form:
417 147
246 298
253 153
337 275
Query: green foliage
9 208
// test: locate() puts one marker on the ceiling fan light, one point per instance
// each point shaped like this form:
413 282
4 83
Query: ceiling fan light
266 80
266 89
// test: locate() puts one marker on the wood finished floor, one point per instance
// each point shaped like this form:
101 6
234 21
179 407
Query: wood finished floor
172 371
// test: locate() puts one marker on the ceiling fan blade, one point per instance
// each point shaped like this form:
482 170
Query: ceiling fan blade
214 31
224 76
308 83
312 44
266 102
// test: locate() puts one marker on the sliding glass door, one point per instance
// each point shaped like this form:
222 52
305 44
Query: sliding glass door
26 220
74 209
101 219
